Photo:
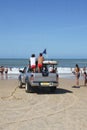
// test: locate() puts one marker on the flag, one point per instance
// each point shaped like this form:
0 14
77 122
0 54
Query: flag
44 52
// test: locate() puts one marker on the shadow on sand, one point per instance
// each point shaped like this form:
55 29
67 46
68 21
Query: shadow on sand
75 86
47 91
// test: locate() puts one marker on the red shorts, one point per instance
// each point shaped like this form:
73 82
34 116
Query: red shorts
33 66
40 65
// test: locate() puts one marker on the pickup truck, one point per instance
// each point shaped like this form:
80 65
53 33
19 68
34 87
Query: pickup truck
48 77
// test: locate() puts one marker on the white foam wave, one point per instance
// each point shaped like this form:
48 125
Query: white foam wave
13 71
64 72
61 70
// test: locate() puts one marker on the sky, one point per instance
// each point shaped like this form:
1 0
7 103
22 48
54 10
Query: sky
30 26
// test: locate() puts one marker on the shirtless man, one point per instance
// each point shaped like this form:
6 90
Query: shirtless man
40 62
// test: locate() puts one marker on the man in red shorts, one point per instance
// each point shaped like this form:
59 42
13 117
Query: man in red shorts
40 62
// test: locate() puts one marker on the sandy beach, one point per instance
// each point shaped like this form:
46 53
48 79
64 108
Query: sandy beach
66 109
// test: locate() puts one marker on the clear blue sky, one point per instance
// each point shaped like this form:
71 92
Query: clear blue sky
30 26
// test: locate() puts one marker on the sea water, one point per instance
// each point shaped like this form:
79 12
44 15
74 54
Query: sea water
65 66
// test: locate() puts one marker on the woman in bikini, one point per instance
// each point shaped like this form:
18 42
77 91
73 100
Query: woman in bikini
77 74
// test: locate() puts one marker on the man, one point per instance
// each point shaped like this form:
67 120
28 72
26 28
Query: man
40 62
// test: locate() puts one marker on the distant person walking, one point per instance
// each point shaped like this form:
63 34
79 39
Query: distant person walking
32 62
40 62
85 76
77 74
6 72
2 70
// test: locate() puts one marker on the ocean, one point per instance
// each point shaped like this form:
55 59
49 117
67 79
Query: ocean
18 63
65 66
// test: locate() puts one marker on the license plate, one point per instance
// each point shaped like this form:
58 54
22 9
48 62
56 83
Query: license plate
44 84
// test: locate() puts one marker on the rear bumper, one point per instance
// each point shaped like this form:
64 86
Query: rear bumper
44 84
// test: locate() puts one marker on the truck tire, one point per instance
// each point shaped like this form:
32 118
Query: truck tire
20 84
28 88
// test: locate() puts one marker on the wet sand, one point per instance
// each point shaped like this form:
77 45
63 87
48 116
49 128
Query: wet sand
66 109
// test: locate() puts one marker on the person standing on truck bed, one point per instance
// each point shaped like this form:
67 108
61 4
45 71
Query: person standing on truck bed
33 62
40 62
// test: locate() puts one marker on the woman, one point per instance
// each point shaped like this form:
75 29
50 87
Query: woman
77 73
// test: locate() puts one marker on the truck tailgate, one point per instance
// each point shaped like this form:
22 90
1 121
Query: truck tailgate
39 77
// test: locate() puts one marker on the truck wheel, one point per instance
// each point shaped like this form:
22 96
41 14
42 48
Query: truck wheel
52 89
20 84
28 88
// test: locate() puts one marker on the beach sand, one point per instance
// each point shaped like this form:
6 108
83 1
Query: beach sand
66 109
